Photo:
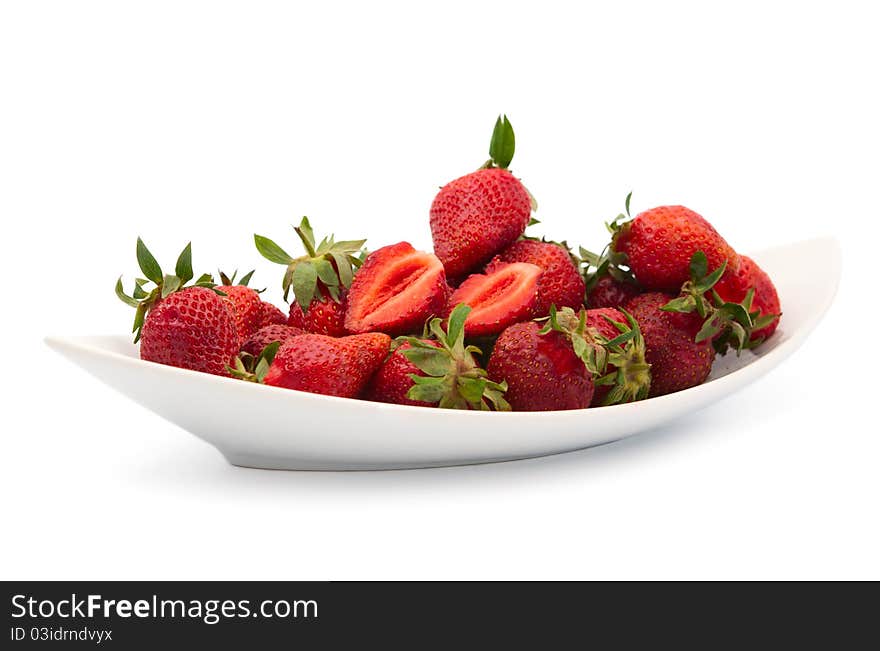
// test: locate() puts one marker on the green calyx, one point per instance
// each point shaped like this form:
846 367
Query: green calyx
728 324
502 145
453 379
143 297
254 369
609 262
629 374
583 340
228 281
327 267
501 149
618 362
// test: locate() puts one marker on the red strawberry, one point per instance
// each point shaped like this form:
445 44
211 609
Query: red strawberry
542 371
437 373
560 283
734 288
727 324
319 279
393 379
660 242
627 366
246 308
323 316
268 334
498 299
271 315
188 327
608 292
677 361
396 291
476 216
321 364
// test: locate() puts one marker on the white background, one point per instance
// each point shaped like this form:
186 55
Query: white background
209 122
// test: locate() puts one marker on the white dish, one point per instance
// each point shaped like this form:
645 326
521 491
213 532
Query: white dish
267 427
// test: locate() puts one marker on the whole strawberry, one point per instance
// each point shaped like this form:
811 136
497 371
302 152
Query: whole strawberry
560 282
498 299
396 291
541 370
735 288
439 372
659 243
476 216
331 366
189 327
267 335
247 307
677 361
319 279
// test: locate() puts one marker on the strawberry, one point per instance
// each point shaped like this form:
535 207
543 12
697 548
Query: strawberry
659 243
319 279
476 216
247 307
542 371
268 334
498 299
726 323
574 356
271 315
396 291
324 316
608 292
332 366
560 283
677 361
190 327
393 380
440 372
734 288
627 376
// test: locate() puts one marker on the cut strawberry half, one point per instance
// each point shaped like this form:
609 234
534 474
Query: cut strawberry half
396 291
498 299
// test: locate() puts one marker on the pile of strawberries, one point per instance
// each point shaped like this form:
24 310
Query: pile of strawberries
492 320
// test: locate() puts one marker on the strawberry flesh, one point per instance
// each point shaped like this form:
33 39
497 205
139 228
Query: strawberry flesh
396 290
560 283
498 299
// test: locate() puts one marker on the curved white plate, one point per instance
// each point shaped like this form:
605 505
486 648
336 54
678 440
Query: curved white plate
268 427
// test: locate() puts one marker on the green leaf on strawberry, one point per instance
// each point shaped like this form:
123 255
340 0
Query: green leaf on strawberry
503 143
164 284
453 379
617 361
254 369
326 269
728 324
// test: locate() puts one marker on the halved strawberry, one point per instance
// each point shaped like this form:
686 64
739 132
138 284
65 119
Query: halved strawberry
395 291
560 283
498 299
